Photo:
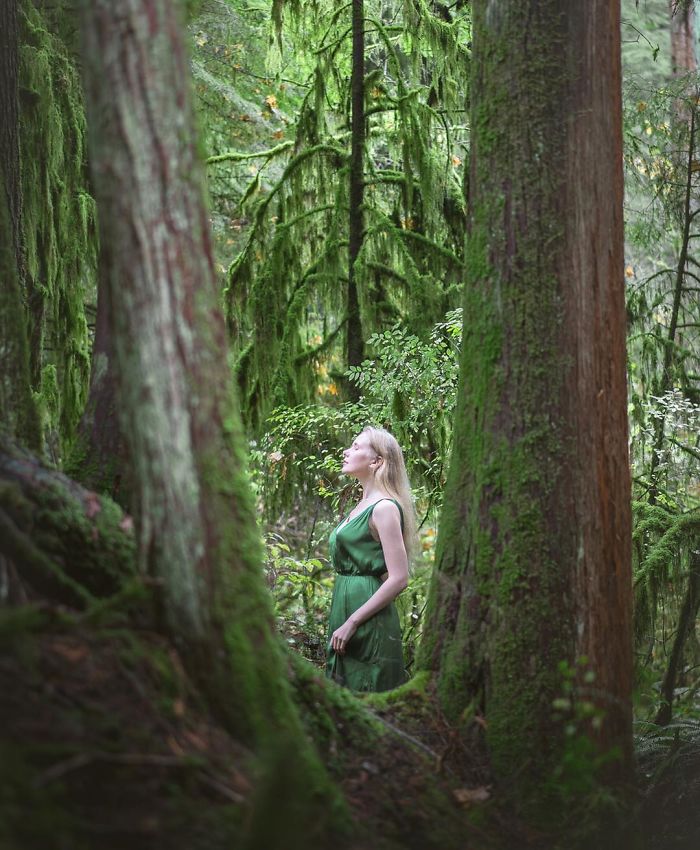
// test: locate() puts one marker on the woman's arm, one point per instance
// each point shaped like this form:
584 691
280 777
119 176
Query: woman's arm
387 522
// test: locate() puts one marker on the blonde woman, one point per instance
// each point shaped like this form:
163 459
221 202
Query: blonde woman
369 550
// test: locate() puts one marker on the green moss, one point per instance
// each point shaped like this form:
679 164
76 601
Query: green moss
58 226
93 469
48 401
415 687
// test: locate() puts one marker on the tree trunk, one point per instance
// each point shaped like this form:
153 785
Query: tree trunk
194 512
9 127
98 458
682 38
533 559
18 414
355 343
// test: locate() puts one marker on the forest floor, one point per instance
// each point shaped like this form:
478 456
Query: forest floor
105 743
668 762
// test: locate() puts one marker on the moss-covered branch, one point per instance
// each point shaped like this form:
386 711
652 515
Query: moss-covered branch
239 156
67 542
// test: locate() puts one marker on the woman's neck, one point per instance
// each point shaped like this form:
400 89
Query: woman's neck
371 491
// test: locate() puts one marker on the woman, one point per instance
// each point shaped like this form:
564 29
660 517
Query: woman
369 551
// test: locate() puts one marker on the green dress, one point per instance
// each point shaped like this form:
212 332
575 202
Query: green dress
373 658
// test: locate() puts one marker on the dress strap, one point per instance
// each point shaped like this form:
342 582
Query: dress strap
389 499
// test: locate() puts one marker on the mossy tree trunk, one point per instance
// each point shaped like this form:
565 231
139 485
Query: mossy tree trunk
355 345
58 232
9 127
18 414
533 557
194 512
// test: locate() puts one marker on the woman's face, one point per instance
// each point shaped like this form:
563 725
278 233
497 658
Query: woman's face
359 459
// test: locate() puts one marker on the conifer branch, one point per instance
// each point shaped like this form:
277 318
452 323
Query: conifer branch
387 271
286 225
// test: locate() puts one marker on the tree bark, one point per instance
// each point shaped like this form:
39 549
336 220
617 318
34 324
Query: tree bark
9 127
194 512
98 458
533 558
354 340
18 415
682 38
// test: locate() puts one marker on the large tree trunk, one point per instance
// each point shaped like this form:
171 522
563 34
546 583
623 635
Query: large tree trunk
533 559
9 127
18 414
196 527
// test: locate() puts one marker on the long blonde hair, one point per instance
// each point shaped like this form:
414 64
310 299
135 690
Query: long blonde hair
392 477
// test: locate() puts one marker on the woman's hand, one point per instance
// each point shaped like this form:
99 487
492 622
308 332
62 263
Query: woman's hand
341 636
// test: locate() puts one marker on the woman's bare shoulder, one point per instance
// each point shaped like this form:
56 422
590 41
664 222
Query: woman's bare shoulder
386 509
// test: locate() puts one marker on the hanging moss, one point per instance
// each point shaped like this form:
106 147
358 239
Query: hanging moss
59 225
663 542
288 284
48 404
